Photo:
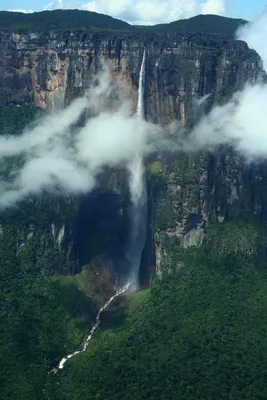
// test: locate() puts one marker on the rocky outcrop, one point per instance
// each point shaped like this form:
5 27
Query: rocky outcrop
206 189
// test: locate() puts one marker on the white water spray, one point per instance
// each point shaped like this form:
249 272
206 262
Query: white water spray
138 217
138 193
141 89
94 328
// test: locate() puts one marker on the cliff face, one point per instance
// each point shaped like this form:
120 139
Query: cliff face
49 70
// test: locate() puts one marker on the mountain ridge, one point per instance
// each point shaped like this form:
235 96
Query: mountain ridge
87 20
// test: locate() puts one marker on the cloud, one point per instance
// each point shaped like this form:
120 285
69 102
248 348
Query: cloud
62 5
22 10
202 100
146 11
56 155
255 34
55 5
213 7
47 132
242 122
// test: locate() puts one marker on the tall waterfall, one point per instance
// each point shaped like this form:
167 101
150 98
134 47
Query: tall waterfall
141 89
138 224
157 90
138 194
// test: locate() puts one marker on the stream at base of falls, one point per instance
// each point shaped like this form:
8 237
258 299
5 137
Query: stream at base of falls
93 330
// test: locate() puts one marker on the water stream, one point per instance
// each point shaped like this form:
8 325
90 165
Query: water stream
94 327
138 193
140 111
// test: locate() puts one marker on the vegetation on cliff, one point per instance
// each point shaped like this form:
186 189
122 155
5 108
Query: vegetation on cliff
14 119
203 24
156 169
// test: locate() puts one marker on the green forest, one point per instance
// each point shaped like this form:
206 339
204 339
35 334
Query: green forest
58 20
41 318
198 333
86 20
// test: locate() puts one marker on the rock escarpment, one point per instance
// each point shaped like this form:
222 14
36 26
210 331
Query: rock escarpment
48 70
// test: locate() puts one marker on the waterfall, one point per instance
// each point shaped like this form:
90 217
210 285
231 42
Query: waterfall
138 216
157 90
138 194
94 328
140 112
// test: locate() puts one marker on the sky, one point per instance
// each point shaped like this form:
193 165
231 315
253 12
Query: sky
147 11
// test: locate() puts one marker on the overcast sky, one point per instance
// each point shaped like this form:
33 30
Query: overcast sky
147 11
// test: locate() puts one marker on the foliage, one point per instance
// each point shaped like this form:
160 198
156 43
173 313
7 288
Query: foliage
201 24
14 119
59 20
156 169
86 20
155 177
234 236
200 333
41 321
39 210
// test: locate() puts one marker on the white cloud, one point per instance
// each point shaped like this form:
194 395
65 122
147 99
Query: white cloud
54 158
22 10
242 121
213 7
255 34
55 5
62 5
146 11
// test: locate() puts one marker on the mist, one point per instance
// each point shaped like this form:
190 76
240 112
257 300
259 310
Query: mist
242 122
57 156
255 34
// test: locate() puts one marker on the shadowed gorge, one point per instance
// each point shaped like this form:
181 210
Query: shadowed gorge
101 226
